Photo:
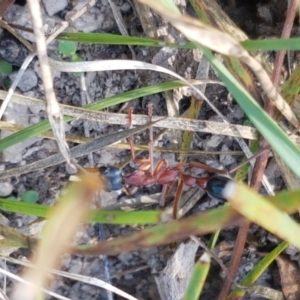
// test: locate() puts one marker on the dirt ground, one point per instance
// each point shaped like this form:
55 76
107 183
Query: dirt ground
135 272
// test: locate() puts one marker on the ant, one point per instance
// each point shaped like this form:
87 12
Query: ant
147 175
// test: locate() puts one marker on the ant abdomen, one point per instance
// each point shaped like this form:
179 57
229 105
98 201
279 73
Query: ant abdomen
215 186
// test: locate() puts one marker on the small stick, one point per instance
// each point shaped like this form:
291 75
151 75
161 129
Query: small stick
254 156
130 138
163 195
150 144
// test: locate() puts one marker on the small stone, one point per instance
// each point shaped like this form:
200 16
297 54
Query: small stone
71 169
16 114
76 123
91 21
28 81
227 159
75 266
12 51
68 127
50 145
6 188
214 142
66 261
126 7
20 15
35 119
125 258
235 114
53 6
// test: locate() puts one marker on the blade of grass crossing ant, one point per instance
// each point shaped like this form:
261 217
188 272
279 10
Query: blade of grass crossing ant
214 218
198 278
262 212
288 201
256 272
240 175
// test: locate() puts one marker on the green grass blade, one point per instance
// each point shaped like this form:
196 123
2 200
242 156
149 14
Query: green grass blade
95 216
254 274
262 212
288 201
272 44
115 39
165 233
291 88
198 278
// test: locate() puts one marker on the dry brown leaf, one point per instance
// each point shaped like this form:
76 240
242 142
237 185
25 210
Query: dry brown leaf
289 277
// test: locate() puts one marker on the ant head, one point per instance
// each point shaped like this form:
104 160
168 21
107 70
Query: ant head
113 178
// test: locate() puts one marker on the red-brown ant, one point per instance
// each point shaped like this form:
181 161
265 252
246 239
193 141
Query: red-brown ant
147 175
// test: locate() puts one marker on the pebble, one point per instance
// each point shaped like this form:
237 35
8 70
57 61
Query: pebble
213 142
125 258
71 169
6 188
16 114
75 266
226 160
91 21
53 6
28 81
12 51
20 15
126 7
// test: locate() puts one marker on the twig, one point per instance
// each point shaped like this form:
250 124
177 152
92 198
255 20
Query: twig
12 88
6 26
54 113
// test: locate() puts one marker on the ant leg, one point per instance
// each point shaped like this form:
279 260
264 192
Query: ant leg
207 168
130 139
150 144
254 156
163 195
161 165
177 200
